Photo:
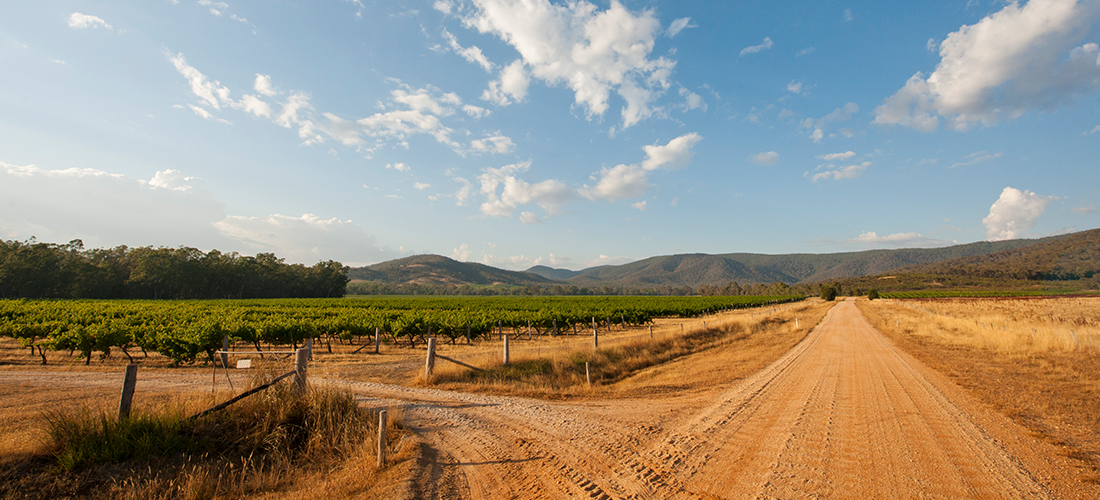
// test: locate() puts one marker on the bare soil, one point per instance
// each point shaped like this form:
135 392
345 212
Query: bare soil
844 413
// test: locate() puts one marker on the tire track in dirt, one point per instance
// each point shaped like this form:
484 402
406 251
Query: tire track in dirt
843 414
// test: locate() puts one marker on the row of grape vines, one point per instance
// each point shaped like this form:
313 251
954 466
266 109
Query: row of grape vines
186 330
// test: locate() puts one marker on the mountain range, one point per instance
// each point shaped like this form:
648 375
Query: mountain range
1071 256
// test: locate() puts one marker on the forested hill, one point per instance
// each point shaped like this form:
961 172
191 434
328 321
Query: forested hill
702 269
31 269
439 270
1072 257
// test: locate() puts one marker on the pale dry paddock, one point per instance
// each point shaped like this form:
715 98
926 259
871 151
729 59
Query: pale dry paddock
1016 326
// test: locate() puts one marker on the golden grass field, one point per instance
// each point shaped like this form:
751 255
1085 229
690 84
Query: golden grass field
1036 360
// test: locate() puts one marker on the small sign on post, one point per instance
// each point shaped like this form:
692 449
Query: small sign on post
128 385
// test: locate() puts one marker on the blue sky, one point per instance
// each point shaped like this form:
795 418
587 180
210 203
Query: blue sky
567 134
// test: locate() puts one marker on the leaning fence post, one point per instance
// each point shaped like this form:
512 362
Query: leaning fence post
587 373
382 438
429 363
505 348
301 361
128 384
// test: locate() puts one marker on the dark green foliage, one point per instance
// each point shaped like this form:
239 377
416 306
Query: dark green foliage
872 294
828 292
31 269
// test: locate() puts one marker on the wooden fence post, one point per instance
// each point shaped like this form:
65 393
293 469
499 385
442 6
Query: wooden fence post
587 373
595 338
225 347
505 348
651 332
468 341
429 363
309 347
376 340
128 384
382 421
301 362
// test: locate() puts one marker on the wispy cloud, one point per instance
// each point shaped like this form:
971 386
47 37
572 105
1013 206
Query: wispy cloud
765 45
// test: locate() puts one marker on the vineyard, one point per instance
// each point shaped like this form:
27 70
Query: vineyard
188 330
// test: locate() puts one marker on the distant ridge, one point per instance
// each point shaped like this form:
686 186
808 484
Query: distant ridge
439 270
695 270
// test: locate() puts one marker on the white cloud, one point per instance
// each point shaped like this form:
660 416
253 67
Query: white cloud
1093 131
817 135
836 156
692 100
805 52
605 260
841 114
978 157
252 104
472 53
475 111
400 167
307 239
497 144
794 87
444 6
1014 213
766 158
1010 62
462 253
641 205
421 186
216 8
263 85
529 218
766 44
463 194
213 93
510 87
82 21
899 240
678 25
629 181
848 15
838 173
550 195
591 51
1090 209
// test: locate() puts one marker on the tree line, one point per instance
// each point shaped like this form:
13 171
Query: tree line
35 270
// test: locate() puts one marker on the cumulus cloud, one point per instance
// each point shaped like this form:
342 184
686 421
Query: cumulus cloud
641 205
513 192
794 87
400 167
766 158
263 85
679 25
765 45
82 21
692 100
629 181
529 218
410 111
1012 61
899 240
420 186
462 253
837 156
498 144
594 52
838 173
510 87
1014 213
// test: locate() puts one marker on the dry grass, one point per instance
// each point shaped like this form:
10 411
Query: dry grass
274 442
1017 355
727 347
1012 326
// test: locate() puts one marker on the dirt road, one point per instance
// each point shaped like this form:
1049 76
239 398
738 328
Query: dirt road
842 415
